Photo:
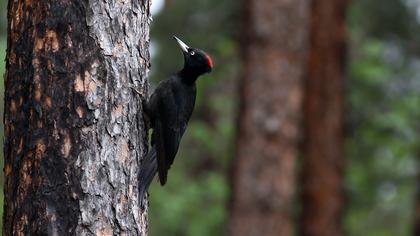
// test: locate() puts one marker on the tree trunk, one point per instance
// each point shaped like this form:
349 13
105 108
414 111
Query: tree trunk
74 130
323 150
274 52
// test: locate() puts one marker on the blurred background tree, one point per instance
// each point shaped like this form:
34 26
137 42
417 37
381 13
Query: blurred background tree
382 100
274 52
323 165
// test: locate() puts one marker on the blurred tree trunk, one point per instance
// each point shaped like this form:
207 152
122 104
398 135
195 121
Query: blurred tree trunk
274 53
322 171
74 131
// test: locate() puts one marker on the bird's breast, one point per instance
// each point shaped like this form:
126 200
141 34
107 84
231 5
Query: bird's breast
186 101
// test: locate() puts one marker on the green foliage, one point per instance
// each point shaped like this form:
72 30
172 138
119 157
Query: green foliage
3 20
374 18
383 116
189 207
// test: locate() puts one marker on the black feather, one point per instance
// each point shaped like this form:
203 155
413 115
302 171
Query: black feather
147 173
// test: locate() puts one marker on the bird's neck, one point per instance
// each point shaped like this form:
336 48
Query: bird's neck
188 76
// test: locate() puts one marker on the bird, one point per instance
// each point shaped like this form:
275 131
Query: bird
168 110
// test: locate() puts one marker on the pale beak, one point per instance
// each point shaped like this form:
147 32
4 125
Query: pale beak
183 46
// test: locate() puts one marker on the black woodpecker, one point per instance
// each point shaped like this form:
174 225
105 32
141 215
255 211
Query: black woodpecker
169 110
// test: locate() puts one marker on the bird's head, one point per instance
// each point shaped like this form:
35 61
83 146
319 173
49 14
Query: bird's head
196 61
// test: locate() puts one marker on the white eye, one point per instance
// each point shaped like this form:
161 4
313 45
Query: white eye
192 53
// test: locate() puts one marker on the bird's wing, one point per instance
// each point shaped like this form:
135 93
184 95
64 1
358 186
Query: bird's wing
167 133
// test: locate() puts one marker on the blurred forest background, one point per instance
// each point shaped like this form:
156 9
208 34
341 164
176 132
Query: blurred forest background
382 116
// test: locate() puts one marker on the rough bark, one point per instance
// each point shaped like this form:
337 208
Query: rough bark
274 52
74 130
323 149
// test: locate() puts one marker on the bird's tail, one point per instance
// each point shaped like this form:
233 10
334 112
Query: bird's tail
147 172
